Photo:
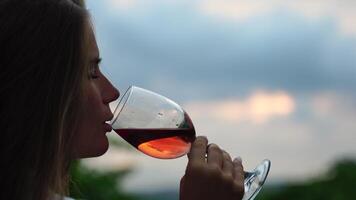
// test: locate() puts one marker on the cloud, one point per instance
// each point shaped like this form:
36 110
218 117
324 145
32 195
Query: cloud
335 106
163 50
237 10
121 4
259 107
308 132
320 131
343 12
213 69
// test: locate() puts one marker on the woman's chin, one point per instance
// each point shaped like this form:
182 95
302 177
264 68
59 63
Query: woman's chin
98 148
101 150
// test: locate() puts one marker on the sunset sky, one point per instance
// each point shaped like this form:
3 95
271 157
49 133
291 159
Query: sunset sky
262 78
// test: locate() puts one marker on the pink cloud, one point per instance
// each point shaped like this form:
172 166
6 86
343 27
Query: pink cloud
259 107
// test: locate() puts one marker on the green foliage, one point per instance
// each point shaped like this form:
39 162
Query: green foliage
93 185
337 184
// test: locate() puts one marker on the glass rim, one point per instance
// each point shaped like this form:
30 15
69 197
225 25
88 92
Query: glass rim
122 103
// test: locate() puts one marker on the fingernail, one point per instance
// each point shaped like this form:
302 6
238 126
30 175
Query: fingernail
203 136
213 145
238 160
226 155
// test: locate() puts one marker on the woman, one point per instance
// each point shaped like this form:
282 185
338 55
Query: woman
54 106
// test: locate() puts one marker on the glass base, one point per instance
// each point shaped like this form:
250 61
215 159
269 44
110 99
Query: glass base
254 180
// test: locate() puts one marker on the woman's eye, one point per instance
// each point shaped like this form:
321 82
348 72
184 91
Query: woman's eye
93 72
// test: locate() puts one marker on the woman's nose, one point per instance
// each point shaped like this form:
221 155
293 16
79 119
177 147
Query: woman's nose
115 94
111 93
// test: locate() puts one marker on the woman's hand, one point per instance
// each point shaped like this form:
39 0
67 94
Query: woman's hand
214 177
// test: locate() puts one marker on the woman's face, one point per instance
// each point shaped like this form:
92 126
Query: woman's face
91 140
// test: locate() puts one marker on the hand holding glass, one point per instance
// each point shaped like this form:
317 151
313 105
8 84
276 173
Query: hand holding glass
160 128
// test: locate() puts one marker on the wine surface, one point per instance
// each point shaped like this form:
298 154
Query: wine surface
162 143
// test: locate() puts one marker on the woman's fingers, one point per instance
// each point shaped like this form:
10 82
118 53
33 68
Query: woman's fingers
215 156
238 169
228 166
214 177
198 150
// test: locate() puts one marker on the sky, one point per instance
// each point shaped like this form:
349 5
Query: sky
261 78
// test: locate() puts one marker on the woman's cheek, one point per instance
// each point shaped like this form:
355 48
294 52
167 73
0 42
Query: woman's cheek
90 139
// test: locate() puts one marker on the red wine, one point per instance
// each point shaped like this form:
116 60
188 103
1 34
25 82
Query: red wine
160 143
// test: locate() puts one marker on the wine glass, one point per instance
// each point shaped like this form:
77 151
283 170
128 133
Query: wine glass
159 127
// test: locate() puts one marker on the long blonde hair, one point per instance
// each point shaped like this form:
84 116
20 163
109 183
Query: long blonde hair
42 68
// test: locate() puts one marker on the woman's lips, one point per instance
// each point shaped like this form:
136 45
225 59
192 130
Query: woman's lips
107 127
